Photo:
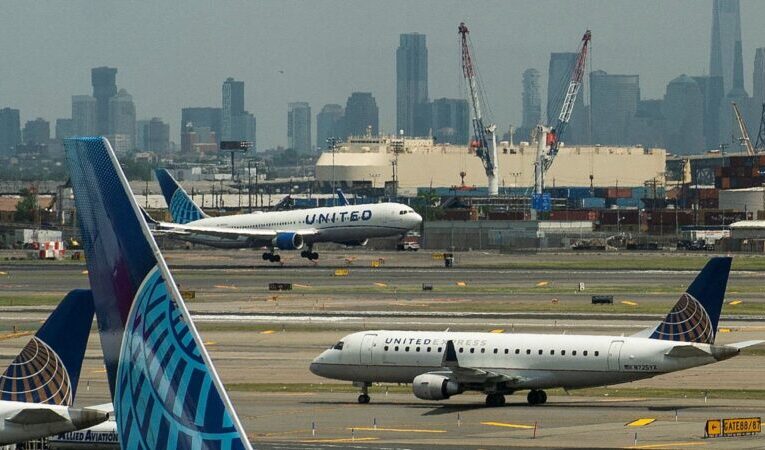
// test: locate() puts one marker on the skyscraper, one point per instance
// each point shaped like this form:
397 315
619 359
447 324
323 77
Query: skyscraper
36 131
329 123
614 100
84 115
233 106
532 101
450 120
683 109
411 83
153 135
202 117
712 91
10 130
104 80
299 127
64 128
558 78
726 42
122 121
361 115
758 77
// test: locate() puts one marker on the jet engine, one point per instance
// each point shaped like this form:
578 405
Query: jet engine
288 241
429 386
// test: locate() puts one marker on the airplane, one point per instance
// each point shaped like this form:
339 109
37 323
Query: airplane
37 390
281 230
440 365
165 390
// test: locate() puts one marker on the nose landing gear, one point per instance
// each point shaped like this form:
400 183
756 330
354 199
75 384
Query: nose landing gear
537 397
364 397
272 257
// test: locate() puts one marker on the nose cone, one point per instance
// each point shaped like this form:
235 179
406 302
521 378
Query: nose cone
316 365
416 220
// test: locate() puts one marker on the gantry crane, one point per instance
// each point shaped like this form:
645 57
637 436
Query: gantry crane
549 138
744 140
485 141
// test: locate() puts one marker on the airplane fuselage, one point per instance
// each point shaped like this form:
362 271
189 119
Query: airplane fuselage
533 361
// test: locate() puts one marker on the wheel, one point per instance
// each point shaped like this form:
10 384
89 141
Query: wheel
266 256
276 258
313 256
536 397
363 399
542 397
495 399
305 254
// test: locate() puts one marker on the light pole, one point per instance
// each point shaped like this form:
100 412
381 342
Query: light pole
332 145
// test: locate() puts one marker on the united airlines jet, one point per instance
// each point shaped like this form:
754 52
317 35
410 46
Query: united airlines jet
164 387
281 230
443 364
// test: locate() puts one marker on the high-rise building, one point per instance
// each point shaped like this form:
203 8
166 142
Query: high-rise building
329 123
728 128
202 118
10 130
104 80
122 121
64 128
411 83
647 126
233 106
758 77
361 115
712 91
726 42
683 110
558 78
450 121
36 131
84 115
153 135
614 100
532 100
299 127
245 127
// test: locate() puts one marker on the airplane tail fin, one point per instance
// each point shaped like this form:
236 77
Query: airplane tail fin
695 316
182 207
342 200
48 368
165 390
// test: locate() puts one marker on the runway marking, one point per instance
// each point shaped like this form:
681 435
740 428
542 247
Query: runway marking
543 283
268 332
735 302
18 334
3 273
640 422
98 371
301 285
628 303
461 283
223 286
498 331
84 272
508 425
401 430
210 342
724 330
318 441
670 445
381 285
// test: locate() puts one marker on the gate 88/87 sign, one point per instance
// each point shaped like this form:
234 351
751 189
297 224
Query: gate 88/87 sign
733 427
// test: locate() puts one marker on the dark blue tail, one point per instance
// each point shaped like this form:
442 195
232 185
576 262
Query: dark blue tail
182 207
695 316
165 390
342 200
48 368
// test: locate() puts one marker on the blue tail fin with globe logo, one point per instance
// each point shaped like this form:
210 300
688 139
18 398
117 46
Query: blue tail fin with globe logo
182 207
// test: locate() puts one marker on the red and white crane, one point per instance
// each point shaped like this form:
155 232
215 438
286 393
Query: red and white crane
485 141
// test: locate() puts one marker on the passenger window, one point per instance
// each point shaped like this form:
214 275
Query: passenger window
472 350
428 349
584 353
386 348
597 353
573 352
483 350
417 349
460 349
540 352
507 351
563 353
528 351
406 349
517 351
396 348
439 349
552 352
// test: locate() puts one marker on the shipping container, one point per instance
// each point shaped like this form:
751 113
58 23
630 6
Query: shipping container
575 214
592 203
507 215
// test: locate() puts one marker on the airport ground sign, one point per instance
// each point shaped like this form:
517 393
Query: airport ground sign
733 427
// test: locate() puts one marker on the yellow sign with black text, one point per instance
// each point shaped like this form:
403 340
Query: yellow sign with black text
733 427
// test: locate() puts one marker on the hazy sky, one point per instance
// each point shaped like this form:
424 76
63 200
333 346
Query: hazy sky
176 54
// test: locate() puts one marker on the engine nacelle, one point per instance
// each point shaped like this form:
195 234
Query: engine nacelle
288 241
355 243
430 386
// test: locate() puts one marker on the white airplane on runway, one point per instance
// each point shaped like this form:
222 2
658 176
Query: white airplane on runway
442 364
38 388
282 230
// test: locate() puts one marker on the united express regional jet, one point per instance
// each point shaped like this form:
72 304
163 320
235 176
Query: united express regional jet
281 230
442 364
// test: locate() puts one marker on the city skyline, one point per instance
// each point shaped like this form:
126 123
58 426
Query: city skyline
290 55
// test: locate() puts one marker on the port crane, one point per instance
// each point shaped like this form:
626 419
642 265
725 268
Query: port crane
485 140
744 140
548 138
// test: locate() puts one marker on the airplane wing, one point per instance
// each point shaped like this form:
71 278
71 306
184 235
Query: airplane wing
36 416
174 229
472 375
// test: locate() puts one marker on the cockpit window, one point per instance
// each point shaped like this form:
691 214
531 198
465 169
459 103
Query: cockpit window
402 212
338 346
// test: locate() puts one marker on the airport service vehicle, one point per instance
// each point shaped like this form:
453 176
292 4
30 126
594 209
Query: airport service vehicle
281 230
442 364
37 390
164 388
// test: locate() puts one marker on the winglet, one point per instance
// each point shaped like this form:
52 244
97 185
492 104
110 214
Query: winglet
182 207
48 368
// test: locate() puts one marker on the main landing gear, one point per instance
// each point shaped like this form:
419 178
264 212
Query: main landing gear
272 257
364 397
536 397
310 254
495 399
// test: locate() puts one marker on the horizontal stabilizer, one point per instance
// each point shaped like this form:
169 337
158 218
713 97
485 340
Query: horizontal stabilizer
36 416
686 351
745 344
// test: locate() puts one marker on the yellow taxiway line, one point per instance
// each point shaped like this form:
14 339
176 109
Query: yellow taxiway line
341 440
508 425
670 445
401 430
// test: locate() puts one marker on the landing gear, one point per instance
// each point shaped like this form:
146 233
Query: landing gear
268 256
364 397
537 397
310 254
495 399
